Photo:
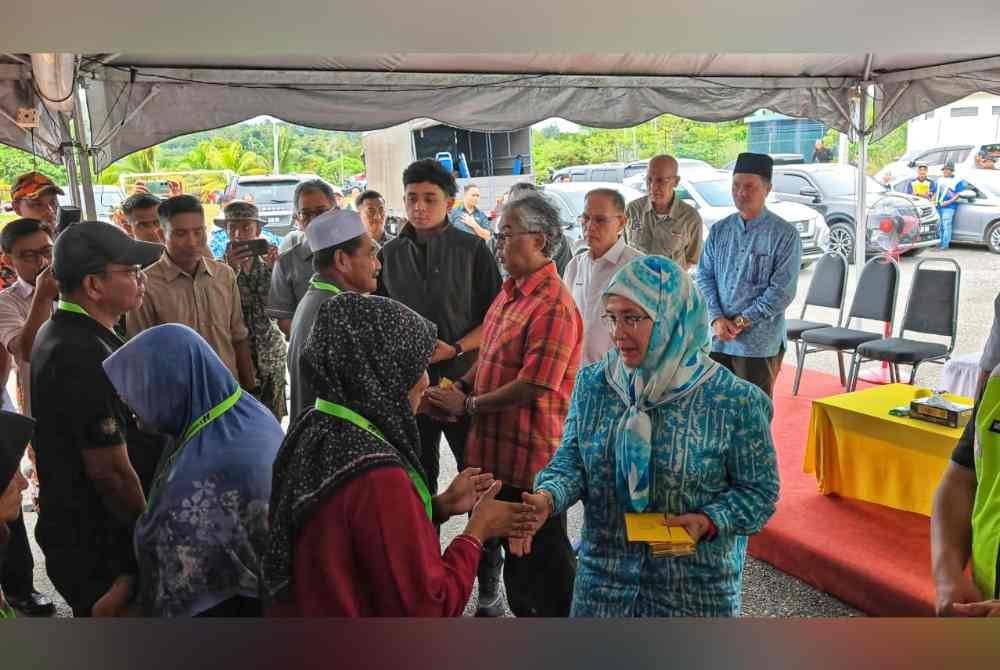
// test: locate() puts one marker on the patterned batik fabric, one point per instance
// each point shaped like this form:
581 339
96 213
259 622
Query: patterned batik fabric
204 531
711 451
267 344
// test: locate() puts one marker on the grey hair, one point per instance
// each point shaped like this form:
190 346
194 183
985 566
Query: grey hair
537 215
311 185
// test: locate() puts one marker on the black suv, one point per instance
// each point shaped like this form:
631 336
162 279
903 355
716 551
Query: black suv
831 189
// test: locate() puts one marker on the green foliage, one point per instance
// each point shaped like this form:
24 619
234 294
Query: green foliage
716 143
14 162
248 149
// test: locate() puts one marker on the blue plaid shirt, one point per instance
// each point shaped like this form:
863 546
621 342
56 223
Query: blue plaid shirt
751 268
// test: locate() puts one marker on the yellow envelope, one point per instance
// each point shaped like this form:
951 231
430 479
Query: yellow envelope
648 527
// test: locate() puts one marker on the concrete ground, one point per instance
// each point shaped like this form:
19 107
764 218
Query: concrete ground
766 591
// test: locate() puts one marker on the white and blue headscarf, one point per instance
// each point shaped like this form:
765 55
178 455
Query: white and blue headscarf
675 364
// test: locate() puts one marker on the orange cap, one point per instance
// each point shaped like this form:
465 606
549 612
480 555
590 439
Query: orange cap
31 185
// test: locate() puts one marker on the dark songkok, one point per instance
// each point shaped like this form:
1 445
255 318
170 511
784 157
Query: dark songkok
15 432
758 164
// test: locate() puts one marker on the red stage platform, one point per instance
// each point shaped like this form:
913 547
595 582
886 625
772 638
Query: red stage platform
872 557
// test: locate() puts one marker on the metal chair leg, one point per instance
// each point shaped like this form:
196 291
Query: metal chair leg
855 371
798 367
840 364
913 373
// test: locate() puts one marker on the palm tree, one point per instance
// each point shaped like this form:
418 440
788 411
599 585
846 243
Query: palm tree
144 161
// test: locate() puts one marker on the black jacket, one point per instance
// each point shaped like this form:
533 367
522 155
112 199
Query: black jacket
450 279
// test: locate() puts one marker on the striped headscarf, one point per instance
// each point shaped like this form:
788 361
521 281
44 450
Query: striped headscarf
675 364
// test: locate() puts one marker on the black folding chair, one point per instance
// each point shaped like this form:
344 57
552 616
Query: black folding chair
931 309
828 288
874 298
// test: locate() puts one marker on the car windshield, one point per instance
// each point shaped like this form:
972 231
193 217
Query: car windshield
631 170
716 192
268 191
841 183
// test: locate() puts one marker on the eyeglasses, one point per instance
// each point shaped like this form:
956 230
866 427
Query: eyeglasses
630 321
136 271
37 205
307 215
34 255
503 238
585 220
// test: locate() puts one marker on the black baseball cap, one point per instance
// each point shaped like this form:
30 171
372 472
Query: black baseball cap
89 246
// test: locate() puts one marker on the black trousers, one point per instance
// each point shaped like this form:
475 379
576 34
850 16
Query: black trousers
761 372
541 583
430 444
17 575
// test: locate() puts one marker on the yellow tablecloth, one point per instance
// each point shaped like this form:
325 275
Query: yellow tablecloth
858 450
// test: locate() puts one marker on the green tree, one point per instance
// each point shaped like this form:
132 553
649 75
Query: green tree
146 160
15 162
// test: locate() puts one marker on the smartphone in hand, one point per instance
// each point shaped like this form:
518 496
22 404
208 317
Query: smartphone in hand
257 247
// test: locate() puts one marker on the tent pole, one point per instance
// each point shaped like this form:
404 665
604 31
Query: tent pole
69 160
860 227
86 179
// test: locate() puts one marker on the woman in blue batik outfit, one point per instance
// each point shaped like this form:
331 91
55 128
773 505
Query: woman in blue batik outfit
200 541
657 426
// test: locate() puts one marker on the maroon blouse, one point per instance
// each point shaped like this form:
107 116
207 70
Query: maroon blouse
370 550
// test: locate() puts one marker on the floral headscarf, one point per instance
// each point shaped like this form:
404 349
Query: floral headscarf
365 353
676 362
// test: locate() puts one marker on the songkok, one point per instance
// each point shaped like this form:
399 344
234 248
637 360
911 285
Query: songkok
758 164
333 227
15 431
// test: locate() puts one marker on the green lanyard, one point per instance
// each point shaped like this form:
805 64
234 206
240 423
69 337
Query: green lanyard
196 427
325 286
67 306
341 412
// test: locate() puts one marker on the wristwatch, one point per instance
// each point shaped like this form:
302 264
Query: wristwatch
457 346
470 405
742 322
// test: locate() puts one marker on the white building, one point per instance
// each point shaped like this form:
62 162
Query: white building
973 120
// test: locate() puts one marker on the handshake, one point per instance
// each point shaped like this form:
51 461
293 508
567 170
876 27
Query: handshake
476 492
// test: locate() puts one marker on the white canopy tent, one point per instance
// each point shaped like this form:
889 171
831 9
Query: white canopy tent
130 102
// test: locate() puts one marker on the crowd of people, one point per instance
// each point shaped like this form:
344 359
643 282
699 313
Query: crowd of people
152 377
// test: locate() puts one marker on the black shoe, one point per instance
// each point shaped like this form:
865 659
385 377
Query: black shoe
490 597
490 604
34 604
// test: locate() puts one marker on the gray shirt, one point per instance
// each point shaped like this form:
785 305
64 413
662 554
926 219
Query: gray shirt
290 278
676 235
303 396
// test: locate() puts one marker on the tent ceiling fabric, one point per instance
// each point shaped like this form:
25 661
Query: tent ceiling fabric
137 101
350 100
16 91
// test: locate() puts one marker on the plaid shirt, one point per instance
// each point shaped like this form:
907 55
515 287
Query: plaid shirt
532 332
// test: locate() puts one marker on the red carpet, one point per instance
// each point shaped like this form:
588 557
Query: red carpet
872 557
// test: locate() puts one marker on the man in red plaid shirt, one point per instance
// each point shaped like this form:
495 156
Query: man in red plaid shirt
518 395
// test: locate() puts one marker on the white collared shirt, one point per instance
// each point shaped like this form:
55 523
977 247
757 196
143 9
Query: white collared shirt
586 279
15 304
